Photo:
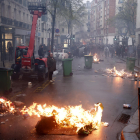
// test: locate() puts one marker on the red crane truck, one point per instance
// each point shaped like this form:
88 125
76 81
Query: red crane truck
25 62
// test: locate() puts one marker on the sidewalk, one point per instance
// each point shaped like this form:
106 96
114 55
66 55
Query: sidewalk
131 131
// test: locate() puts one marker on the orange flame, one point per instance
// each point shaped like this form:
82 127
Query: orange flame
69 116
90 54
95 59
118 73
7 104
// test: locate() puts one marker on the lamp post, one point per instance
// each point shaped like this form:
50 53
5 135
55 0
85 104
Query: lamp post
49 30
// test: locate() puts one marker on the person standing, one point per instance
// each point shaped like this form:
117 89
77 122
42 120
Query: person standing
10 49
51 66
106 51
41 51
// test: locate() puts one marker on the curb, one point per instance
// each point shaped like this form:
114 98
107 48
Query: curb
129 131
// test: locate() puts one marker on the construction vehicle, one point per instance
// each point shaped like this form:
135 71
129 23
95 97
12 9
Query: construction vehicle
25 62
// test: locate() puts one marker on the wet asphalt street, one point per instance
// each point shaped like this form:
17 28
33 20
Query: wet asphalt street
86 87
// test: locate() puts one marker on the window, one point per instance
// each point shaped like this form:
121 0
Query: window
120 8
42 27
15 12
27 17
3 10
20 1
23 16
121 1
9 12
19 15
24 3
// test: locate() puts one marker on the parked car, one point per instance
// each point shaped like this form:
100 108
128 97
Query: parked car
60 54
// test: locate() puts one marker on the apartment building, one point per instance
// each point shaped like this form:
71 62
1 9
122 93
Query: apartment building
15 26
101 12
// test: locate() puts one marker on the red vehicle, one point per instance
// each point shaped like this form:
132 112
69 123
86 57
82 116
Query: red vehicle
25 62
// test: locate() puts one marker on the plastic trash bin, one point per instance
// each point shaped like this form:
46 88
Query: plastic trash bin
88 61
67 67
5 79
130 64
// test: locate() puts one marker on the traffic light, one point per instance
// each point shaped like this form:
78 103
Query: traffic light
73 36
115 40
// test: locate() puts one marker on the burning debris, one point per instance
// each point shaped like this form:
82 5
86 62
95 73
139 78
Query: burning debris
10 107
69 118
6 105
117 73
95 59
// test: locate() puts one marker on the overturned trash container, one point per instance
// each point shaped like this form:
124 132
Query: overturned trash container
88 61
67 67
130 64
5 80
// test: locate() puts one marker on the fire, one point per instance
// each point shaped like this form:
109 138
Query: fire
71 116
95 59
117 73
136 75
90 54
6 105
68 116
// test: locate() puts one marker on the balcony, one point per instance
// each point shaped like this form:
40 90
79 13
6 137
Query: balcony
8 21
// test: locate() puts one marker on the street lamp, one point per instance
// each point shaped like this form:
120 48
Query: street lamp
49 30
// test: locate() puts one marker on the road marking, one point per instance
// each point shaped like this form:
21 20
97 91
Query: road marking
44 85
20 92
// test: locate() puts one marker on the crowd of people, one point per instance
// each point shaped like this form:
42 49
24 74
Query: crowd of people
108 50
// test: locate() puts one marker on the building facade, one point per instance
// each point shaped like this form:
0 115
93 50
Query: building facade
15 26
101 12
15 23
138 23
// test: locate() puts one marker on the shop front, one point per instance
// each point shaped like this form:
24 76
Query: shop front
6 39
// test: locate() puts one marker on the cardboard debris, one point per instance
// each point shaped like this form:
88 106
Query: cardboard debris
45 125
106 124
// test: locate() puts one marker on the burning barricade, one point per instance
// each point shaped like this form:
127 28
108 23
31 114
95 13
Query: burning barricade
54 120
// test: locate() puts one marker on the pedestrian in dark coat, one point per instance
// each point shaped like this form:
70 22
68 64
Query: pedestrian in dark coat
51 63
10 49
41 51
